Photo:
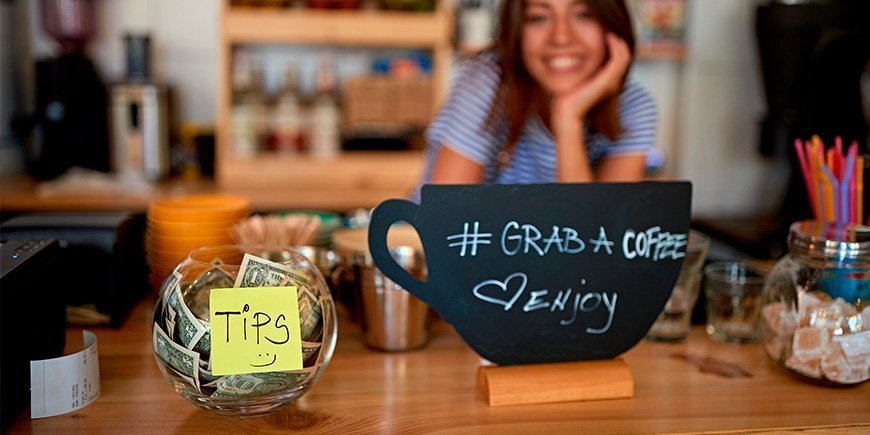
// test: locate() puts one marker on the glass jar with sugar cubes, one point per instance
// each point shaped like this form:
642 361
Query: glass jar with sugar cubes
816 312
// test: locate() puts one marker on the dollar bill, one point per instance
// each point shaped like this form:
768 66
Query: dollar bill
169 286
170 300
183 360
189 328
325 302
170 304
299 279
173 280
256 384
310 315
203 346
207 379
170 325
259 272
309 351
205 363
170 313
327 319
169 318
184 377
215 277
214 379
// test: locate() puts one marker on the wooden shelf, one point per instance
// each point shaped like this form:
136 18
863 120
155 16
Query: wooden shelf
395 171
349 178
338 27
662 52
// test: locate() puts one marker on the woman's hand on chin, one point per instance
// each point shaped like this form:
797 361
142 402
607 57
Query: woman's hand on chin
576 104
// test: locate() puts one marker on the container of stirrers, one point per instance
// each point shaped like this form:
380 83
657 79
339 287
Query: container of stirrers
834 179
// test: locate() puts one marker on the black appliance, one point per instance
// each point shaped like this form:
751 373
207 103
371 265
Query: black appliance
102 267
71 99
71 117
32 322
813 54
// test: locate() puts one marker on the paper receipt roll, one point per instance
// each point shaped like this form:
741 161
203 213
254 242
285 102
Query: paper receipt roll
65 384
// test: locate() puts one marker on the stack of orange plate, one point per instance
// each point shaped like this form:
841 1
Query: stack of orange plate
179 225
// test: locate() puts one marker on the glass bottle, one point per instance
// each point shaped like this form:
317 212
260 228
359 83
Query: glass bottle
249 108
325 115
816 304
475 26
286 115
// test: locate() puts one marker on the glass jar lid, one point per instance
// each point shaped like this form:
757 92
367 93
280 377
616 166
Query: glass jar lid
830 239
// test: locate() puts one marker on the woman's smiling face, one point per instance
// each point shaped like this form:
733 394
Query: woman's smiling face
562 44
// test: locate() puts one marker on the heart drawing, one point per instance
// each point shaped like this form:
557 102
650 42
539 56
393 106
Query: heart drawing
496 292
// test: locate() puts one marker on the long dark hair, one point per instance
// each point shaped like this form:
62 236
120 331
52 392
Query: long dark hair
518 94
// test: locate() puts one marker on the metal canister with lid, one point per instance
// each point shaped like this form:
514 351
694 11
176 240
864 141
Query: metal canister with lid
391 318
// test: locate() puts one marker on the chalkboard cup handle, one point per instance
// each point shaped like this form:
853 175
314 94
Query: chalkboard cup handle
383 217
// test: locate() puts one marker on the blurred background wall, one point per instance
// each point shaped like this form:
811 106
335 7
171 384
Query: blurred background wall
711 103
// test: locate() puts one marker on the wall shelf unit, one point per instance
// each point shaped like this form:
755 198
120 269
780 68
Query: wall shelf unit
378 175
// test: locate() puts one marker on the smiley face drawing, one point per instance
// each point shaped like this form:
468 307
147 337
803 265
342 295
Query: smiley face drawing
260 355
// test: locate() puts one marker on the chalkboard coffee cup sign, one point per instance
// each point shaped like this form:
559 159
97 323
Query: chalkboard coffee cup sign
543 272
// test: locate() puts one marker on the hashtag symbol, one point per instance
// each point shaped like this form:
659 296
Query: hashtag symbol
464 239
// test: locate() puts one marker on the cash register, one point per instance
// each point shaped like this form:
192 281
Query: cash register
101 267
32 316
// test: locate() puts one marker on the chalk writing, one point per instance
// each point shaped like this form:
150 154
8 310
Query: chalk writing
499 298
517 238
602 241
653 243
525 237
508 291
473 239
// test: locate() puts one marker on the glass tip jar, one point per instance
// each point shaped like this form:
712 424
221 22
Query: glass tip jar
182 327
816 304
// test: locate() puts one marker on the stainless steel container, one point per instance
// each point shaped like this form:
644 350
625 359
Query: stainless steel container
325 259
140 130
391 318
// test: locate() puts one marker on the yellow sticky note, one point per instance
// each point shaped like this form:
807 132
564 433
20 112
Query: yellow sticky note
254 330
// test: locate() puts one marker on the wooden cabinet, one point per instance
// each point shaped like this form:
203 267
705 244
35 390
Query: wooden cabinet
378 174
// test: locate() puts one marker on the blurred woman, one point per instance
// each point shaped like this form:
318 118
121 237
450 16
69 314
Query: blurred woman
549 102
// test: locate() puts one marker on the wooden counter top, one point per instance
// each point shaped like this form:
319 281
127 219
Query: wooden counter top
20 196
688 387
349 181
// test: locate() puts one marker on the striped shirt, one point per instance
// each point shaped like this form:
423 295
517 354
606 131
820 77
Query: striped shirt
461 125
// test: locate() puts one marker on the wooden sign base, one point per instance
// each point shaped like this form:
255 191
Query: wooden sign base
555 382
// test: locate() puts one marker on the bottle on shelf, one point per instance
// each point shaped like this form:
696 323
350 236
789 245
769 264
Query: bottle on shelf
275 4
249 109
475 26
286 116
324 113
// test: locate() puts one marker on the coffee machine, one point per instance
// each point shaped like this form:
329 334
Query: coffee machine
140 117
71 110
